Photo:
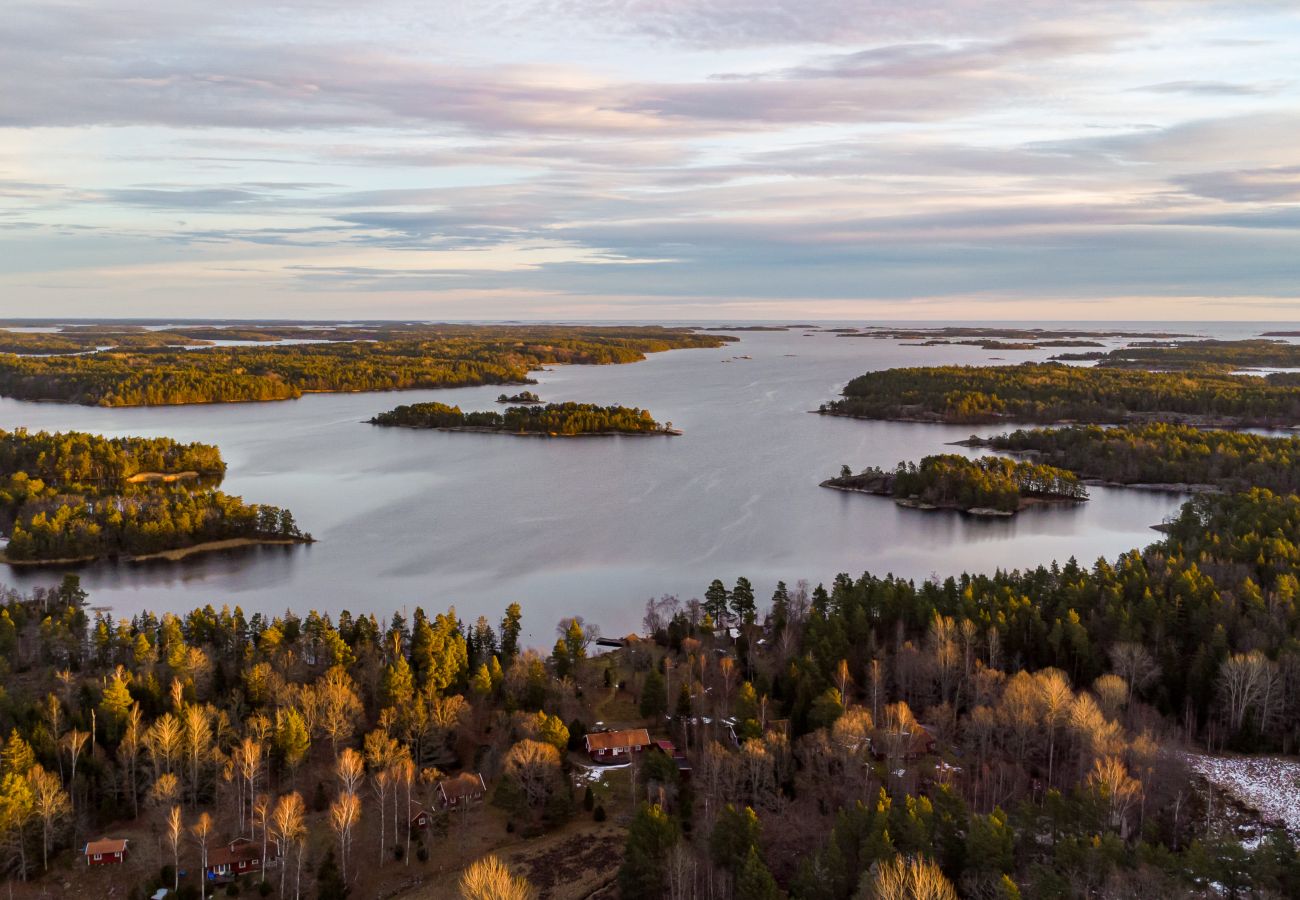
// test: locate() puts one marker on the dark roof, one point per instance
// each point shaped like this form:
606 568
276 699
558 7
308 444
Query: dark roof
463 785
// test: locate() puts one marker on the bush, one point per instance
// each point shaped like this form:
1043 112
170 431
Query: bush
422 853
599 814
232 890
398 852
264 888
167 876
589 799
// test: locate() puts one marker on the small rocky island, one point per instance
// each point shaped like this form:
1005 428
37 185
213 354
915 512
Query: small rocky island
523 398
989 486
551 420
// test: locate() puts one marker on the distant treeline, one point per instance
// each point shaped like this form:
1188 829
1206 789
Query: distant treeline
1052 393
1160 453
952 481
1193 354
554 418
442 357
70 495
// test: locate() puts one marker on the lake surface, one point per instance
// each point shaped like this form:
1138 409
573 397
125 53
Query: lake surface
594 526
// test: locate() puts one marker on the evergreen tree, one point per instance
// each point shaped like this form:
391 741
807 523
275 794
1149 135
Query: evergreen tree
654 701
650 838
510 628
742 601
734 834
754 881
716 599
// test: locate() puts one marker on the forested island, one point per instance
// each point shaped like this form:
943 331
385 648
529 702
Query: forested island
523 397
1051 393
1208 353
1162 455
553 419
76 497
432 356
990 485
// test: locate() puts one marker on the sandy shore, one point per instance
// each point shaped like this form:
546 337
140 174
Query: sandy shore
173 555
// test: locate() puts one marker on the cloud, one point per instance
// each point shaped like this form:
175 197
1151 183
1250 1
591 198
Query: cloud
1212 88
1277 184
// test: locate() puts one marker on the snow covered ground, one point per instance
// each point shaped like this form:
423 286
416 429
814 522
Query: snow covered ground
1268 784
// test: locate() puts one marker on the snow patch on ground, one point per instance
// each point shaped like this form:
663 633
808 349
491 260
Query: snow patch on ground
1270 785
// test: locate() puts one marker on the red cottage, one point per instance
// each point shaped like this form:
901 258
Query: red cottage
462 790
241 856
616 746
105 852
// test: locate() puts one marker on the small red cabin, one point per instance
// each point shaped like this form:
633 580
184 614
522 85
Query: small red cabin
240 857
462 790
105 852
616 746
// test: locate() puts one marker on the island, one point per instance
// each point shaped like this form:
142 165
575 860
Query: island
1053 393
552 420
333 359
523 398
75 497
1226 355
988 486
1160 456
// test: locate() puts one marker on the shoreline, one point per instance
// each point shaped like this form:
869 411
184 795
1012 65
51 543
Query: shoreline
1193 421
173 555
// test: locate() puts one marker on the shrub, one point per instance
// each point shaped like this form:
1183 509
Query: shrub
599 814
422 853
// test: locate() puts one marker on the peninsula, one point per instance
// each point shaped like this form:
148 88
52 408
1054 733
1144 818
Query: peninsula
76 497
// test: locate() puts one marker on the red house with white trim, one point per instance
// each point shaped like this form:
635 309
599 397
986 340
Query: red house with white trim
106 852
241 856
616 746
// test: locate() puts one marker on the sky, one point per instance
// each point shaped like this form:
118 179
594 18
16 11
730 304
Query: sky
651 159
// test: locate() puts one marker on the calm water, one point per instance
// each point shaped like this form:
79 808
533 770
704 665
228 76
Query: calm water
587 526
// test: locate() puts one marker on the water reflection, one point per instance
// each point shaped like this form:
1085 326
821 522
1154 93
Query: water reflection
587 526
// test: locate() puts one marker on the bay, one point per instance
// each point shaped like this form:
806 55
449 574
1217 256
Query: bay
589 527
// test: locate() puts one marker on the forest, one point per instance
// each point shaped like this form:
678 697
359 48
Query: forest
1161 453
949 481
1051 393
1020 734
564 419
73 495
1208 353
420 357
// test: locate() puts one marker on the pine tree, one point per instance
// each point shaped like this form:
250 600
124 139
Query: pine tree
650 837
654 701
399 684
754 881
715 602
742 601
